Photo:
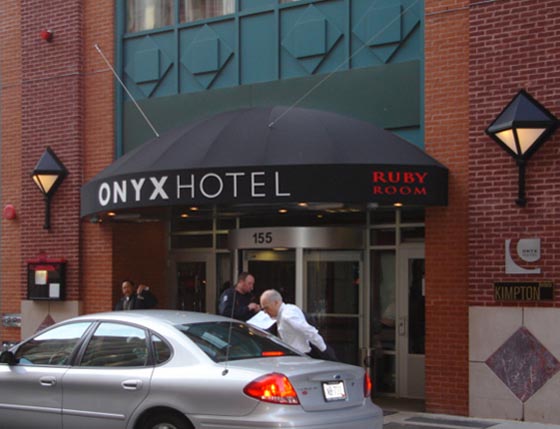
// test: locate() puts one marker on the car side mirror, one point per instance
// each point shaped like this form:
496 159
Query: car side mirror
8 357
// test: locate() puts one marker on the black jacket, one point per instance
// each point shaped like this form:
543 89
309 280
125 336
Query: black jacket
241 309
138 302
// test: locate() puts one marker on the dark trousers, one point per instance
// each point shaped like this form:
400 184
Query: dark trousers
328 354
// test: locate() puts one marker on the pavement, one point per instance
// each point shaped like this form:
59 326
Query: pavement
418 420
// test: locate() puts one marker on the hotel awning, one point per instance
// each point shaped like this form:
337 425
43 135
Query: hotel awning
269 155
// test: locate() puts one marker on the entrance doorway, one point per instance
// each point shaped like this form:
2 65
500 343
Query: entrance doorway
333 290
411 322
191 273
325 271
273 269
397 339
329 291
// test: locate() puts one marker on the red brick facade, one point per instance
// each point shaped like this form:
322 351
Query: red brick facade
52 115
96 247
10 57
447 133
513 45
45 86
478 55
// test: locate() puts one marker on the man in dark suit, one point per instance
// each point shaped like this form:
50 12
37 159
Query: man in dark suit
135 298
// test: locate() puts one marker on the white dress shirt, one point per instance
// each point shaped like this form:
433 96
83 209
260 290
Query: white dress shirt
294 329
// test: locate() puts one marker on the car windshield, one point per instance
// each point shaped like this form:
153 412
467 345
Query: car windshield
223 341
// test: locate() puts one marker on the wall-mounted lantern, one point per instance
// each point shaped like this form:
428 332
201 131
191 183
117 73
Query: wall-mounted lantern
520 129
48 174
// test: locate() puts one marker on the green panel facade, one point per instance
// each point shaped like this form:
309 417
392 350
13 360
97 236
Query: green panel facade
361 58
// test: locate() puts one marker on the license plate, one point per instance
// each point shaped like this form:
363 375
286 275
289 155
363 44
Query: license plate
334 391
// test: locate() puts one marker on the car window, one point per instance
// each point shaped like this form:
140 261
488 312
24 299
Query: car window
234 341
161 349
116 345
53 347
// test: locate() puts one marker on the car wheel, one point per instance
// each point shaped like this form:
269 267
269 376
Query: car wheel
166 421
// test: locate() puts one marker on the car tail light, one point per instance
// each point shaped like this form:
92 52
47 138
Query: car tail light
275 388
367 385
272 354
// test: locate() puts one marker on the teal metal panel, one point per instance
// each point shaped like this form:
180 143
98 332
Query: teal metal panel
169 112
265 41
312 38
311 46
278 53
120 17
206 56
146 65
256 5
258 61
149 65
420 47
387 96
413 135
385 31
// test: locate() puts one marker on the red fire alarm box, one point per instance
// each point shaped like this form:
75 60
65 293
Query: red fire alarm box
46 279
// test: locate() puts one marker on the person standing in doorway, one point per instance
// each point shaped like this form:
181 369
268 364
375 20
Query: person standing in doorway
293 327
135 298
236 302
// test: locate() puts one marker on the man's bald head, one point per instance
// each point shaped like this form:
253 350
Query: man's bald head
271 300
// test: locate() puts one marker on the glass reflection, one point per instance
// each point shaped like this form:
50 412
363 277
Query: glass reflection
148 14
194 10
383 311
333 288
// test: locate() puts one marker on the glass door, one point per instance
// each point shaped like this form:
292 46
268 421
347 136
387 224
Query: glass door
272 269
410 326
332 290
382 353
397 331
190 276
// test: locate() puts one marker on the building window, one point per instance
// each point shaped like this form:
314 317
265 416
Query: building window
148 14
194 10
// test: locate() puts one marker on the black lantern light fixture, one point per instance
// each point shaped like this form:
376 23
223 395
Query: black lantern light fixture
521 128
48 174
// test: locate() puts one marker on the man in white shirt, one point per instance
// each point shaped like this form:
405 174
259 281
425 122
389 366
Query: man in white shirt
293 329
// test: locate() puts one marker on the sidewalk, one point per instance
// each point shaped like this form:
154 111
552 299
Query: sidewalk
417 420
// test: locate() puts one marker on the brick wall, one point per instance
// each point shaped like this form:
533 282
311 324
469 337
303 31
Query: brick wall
98 151
447 133
478 55
140 254
513 45
52 112
10 107
57 94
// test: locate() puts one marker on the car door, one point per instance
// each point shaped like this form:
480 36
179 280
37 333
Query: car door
111 378
31 390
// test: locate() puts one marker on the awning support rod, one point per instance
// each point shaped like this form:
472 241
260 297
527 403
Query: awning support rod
126 89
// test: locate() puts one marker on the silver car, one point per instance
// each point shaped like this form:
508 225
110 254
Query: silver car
162 369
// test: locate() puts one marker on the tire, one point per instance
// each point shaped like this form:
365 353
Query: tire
168 420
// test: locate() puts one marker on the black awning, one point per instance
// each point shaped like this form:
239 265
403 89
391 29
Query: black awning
269 155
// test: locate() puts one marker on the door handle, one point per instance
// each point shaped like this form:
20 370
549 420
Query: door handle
402 326
369 360
47 381
132 384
